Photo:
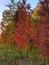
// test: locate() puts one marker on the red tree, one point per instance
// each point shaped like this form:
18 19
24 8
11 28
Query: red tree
43 28
25 33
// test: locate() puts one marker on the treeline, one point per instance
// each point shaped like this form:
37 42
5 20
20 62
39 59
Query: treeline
23 28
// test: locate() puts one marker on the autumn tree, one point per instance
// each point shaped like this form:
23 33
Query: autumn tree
8 23
43 29
25 31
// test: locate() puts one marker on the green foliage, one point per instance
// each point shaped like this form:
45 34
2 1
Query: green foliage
9 32
12 6
8 14
35 55
34 20
10 56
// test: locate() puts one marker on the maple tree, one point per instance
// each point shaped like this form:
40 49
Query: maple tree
25 31
43 29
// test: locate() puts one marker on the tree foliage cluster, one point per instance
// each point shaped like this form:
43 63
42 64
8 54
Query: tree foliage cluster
27 29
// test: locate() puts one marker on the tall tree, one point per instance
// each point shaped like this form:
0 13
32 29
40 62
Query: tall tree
9 14
25 31
43 27
12 6
6 16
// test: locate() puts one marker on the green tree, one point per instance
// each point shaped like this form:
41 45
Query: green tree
6 16
12 6
10 12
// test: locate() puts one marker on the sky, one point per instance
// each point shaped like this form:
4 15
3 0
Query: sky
3 4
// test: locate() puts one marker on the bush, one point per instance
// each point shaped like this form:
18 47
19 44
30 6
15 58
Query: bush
10 56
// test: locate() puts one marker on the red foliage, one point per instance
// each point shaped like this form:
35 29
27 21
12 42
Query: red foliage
25 30
43 30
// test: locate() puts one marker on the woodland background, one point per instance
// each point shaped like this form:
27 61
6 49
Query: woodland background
25 34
